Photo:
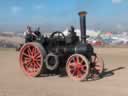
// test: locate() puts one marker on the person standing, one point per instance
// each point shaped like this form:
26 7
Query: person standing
29 35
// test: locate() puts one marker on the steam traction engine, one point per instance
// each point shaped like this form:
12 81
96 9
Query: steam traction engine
49 54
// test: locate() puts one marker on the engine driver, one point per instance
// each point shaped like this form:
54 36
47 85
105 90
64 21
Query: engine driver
72 37
29 35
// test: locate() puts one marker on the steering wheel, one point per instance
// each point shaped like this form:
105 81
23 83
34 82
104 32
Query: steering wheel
58 35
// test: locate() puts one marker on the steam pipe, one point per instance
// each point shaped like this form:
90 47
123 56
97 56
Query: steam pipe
82 15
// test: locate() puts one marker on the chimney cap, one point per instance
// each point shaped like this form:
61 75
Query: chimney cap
82 13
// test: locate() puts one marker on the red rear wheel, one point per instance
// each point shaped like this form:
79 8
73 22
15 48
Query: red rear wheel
31 59
77 67
97 66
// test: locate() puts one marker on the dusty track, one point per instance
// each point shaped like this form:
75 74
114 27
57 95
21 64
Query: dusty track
13 82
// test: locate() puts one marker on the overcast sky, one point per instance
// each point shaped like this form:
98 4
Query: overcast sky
51 15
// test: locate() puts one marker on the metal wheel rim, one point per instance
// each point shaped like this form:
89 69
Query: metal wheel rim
31 60
77 67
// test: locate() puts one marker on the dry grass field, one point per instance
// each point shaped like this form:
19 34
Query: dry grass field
13 82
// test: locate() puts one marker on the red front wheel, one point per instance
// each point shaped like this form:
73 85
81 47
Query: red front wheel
31 59
77 67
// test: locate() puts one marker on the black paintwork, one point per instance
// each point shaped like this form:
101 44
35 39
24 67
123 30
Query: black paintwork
64 46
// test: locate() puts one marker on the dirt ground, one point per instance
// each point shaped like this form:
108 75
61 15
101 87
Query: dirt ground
13 82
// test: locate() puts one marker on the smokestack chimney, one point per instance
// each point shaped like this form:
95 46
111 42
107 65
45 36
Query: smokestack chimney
82 15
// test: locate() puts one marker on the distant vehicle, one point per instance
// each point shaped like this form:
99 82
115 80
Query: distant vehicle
119 40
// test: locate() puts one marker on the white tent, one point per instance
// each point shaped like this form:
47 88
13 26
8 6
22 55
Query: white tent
90 33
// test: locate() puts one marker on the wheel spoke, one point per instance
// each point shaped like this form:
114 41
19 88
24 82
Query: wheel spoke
38 60
97 67
83 68
27 61
73 72
79 74
96 60
35 52
72 68
38 56
93 59
29 51
72 59
81 61
77 59
28 64
32 67
27 58
25 54
37 64
72 65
